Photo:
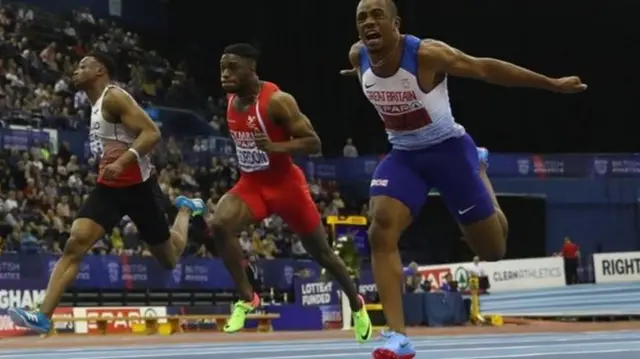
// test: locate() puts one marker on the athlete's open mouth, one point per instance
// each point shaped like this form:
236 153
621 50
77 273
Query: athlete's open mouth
372 35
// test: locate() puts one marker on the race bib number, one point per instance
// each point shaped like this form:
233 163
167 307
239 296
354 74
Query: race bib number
95 144
252 159
407 121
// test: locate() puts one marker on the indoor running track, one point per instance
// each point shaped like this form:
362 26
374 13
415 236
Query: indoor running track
587 345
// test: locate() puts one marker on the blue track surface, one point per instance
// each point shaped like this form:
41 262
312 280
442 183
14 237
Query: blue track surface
589 345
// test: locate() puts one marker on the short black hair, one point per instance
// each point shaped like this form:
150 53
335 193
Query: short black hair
244 50
106 61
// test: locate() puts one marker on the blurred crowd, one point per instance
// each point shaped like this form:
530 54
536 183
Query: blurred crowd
39 51
41 192
42 189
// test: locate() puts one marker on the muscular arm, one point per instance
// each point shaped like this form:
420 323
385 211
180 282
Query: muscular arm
444 58
118 105
284 110
354 59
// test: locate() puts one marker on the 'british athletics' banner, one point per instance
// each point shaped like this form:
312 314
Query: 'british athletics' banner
19 271
349 170
343 170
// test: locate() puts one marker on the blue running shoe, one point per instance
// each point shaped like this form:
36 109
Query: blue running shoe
396 346
32 320
196 205
483 156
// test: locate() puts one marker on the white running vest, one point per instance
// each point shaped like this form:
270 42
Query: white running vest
413 119
113 139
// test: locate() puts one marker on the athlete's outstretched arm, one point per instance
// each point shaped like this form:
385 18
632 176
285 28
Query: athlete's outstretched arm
354 59
284 111
119 105
442 57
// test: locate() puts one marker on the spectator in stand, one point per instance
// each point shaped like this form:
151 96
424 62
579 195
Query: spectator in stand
337 201
297 248
350 149
254 273
448 284
116 241
413 283
475 270
245 242
269 248
571 255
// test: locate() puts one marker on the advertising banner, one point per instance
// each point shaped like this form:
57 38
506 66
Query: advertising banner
313 292
324 295
345 170
23 137
26 298
617 267
115 272
120 319
504 276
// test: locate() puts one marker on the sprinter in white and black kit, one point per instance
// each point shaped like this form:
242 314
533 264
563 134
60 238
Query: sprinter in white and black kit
121 138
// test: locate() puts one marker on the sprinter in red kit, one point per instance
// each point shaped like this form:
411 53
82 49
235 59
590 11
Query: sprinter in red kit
267 127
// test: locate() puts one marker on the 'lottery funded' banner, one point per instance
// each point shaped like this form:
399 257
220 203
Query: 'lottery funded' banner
315 292
20 271
324 295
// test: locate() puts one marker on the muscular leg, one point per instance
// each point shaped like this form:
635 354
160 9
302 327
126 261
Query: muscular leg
230 216
168 253
484 227
148 208
97 216
84 234
180 231
488 237
389 218
398 192
504 224
317 245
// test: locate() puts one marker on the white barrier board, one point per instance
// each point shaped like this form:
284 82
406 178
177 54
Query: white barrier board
505 275
617 267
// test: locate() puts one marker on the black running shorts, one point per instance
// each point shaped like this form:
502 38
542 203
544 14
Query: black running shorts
144 203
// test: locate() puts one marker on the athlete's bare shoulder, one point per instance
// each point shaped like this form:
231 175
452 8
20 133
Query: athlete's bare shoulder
431 47
281 106
120 106
114 102
440 56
